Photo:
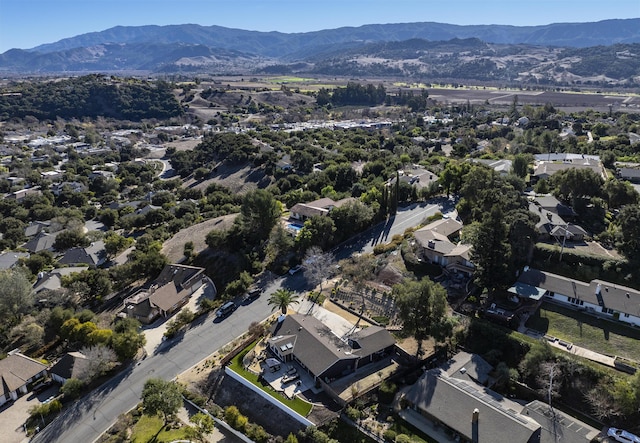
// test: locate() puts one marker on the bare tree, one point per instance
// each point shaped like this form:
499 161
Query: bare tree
317 264
98 360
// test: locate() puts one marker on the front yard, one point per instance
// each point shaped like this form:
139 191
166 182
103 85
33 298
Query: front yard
596 334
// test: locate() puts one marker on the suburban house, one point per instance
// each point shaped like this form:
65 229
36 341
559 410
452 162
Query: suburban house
416 176
553 205
168 293
474 413
36 227
43 241
502 166
601 297
21 194
17 373
53 280
437 246
552 225
629 174
9 259
93 255
323 354
73 186
71 365
545 168
321 207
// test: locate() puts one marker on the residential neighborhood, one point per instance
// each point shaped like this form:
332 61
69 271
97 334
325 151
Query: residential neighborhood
388 272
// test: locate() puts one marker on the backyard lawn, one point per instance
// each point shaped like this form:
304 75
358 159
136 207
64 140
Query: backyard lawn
152 429
587 331
297 404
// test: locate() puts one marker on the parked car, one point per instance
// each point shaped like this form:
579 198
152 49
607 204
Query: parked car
226 309
295 269
623 436
254 293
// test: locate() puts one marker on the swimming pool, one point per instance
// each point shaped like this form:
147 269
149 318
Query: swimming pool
294 227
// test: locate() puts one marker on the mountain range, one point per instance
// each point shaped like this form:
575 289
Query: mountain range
409 49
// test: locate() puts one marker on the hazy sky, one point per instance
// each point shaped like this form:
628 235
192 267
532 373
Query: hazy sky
28 23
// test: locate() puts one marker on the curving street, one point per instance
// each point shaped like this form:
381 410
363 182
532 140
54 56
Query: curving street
89 417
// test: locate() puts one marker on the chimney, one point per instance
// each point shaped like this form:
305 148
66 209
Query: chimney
475 416
431 244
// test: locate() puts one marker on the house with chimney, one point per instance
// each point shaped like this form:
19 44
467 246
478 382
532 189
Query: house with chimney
450 399
438 243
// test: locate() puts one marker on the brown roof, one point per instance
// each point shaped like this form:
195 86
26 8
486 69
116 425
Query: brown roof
16 369
444 226
433 240
166 297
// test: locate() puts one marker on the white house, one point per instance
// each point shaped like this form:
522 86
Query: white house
17 373
609 299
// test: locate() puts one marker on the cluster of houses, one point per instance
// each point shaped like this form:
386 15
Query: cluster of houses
170 291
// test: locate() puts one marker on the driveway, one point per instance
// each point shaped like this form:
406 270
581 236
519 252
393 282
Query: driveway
154 332
14 415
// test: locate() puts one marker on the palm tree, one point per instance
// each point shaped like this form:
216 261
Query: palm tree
281 299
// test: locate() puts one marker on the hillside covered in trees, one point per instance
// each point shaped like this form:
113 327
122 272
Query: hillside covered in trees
89 97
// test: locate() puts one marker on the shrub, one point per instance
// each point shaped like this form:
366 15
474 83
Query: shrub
353 413
386 392
72 388
389 435
403 438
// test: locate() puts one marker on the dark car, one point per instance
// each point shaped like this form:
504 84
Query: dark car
226 309
254 293
41 387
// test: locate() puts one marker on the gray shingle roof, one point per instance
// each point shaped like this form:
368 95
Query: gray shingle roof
452 402
613 296
319 349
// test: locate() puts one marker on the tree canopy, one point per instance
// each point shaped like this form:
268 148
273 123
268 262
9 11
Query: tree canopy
422 306
161 397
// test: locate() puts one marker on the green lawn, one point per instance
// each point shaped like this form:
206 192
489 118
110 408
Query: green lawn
151 429
606 337
297 404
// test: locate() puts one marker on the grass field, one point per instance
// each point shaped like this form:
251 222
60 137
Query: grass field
152 429
596 334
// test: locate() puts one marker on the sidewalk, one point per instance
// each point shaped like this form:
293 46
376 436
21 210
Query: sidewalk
571 348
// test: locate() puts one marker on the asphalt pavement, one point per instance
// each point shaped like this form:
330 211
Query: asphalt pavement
89 417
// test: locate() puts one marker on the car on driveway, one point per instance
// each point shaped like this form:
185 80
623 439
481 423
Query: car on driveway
622 436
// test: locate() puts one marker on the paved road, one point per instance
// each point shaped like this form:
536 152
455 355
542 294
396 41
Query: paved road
88 418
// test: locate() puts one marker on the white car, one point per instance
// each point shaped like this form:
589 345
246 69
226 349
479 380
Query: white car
622 436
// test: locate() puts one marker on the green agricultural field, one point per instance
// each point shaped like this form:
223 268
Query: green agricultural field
599 335
290 79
